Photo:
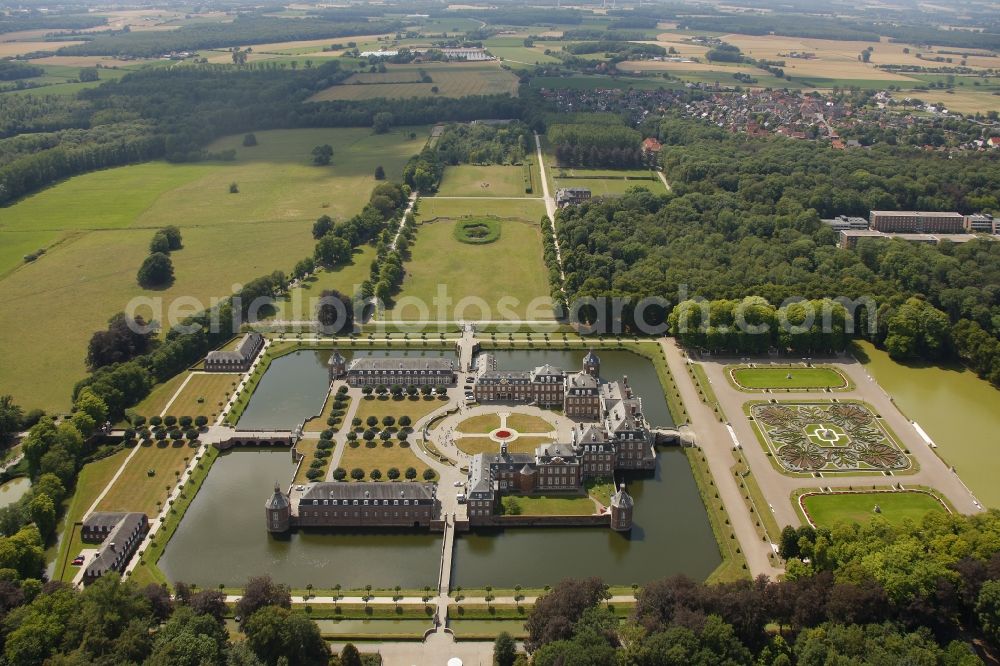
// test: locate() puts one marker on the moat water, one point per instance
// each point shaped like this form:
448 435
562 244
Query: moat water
295 385
222 537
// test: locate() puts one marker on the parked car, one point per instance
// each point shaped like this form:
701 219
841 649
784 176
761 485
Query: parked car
459 484
78 561
461 498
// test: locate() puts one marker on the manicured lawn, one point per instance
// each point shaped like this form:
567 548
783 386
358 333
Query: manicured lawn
554 505
788 378
135 490
468 180
479 424
98 226
156 401
829 509
382 457
439 262
202 394
603 187
319 423
89 484
474 445
530 210
529 423
308 448
415 409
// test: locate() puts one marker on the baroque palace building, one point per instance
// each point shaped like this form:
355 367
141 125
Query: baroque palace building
616 438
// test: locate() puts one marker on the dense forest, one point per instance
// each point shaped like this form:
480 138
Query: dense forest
824 27
173 113
916 594
35 20
242 31
595 145
484 143
743 220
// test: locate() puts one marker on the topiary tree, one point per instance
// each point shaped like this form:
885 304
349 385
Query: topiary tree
410 473
340 474
355 421
314 474
393 473
405 421
402 436
375 474
371 421
367 390
201 421
326 434
185 421
138 421
357 473
388 421
428 474
352 436
170 421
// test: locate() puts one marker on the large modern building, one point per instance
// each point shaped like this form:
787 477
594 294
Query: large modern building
389 371
119 535
981 223
344 504
238 360
546 386
916 222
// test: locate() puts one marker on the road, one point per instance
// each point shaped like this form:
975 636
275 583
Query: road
550 207
714 440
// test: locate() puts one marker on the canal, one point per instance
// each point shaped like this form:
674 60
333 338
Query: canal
957 409
222 537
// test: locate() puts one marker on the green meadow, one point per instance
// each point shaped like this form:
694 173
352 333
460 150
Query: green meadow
97 229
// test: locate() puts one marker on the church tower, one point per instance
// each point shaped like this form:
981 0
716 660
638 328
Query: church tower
278 510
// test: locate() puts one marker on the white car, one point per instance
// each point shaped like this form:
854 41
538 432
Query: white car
459 484
461 498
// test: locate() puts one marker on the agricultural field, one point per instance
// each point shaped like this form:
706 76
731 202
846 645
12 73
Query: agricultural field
514 50
828 509
97 227
138 490
453 79
612 186
596 82
439 261
468 180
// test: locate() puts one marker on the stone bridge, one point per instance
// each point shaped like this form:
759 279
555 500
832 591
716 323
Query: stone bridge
256 438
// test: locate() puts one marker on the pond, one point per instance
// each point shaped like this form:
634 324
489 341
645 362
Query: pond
295 385
222 538
13 490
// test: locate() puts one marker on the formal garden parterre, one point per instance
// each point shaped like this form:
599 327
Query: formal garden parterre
827 437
